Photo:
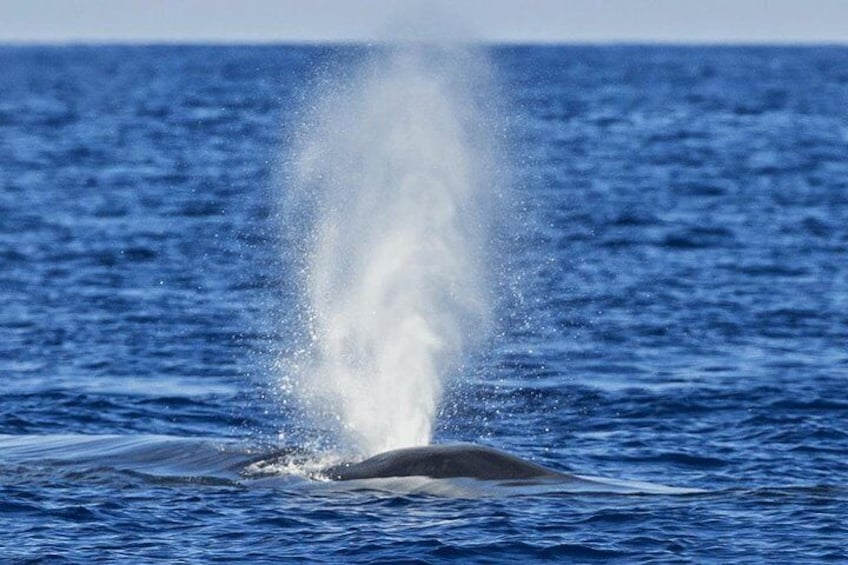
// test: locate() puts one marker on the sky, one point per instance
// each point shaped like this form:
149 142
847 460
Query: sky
495 21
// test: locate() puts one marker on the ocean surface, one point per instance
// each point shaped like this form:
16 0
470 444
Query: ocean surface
681 246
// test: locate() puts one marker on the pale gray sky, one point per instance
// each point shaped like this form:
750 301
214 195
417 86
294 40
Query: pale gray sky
772 21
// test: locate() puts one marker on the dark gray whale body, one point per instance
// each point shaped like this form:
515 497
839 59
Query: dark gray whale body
444 462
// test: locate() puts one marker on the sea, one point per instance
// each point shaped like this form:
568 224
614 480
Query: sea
660 292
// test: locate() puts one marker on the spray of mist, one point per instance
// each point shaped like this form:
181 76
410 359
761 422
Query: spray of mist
390 198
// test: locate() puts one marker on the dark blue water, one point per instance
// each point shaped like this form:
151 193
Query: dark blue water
684 260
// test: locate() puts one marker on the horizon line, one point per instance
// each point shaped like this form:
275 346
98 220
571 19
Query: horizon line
341 42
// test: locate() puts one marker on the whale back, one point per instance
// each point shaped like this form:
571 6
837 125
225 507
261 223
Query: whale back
442 462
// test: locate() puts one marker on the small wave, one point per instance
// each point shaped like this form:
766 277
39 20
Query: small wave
700 238
634 218
767 270
679 459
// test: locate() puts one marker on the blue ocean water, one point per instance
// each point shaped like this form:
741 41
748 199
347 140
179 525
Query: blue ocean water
683 251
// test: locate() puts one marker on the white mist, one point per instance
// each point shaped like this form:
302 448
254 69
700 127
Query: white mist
392 187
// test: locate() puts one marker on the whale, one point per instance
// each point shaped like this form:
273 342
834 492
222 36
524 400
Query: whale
459 465
444 462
